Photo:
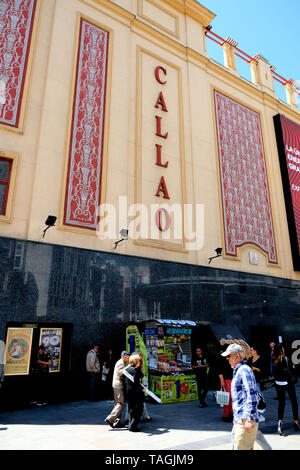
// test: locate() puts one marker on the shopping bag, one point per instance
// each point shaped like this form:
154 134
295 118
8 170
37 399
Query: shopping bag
222 398
261 405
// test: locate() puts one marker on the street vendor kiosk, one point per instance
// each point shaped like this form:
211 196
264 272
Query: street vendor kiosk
166 350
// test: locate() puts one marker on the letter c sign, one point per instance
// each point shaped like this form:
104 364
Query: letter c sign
157 74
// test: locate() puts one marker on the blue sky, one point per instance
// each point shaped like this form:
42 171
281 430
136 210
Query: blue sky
267 27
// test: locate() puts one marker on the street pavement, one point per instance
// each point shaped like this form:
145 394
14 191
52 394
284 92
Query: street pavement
174 427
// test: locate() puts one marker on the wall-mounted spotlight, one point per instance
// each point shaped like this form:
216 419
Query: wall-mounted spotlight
219 253
124 236
50 222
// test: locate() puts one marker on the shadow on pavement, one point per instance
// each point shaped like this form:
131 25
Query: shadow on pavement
180 416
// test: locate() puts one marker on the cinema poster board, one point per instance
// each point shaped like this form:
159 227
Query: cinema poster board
51 339
288 143
18 351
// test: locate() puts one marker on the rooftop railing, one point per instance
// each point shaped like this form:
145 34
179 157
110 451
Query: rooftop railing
262 73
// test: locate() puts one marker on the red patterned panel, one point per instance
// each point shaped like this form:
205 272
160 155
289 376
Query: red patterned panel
16 21
85 156
245 193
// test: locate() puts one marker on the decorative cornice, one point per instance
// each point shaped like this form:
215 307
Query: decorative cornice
193 9
189 7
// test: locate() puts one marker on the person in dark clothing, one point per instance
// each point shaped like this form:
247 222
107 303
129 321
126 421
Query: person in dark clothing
108 366
258 366
201 368
41 370
93 368
282 376
1 378
272 346
225 375
135 393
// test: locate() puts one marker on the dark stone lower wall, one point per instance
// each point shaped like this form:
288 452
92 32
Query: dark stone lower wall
97 292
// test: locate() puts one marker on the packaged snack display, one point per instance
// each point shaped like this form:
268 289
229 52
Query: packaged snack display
165 346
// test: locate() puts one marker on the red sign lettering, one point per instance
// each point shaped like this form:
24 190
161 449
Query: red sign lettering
158 157
158 219
162 187
157 74
161 102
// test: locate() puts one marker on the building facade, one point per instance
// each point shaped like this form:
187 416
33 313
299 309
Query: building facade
114 116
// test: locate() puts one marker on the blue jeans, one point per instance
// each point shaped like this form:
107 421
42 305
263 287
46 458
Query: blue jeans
93 385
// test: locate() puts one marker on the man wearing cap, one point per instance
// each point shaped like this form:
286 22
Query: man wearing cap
244 400
113 419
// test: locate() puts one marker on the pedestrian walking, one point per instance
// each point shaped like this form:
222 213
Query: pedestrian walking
113 419
272 345
108 372
135 393
258 366
1 375
244 400
2 351
283 376
145 415
201 367
1 384
41 373
93 368
1 378
225 376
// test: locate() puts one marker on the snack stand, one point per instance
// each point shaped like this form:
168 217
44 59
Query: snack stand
166 349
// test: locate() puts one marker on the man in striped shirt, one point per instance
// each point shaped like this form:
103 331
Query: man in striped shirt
244 400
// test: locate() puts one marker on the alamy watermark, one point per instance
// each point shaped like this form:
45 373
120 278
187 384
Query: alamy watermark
167 222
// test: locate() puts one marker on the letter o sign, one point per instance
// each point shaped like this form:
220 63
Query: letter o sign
163 222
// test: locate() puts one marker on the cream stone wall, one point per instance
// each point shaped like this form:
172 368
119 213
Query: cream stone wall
140 38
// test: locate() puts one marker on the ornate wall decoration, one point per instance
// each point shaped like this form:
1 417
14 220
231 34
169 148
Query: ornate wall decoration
16 23
86 140
245 193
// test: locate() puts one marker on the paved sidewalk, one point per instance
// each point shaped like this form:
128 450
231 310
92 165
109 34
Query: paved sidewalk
184 426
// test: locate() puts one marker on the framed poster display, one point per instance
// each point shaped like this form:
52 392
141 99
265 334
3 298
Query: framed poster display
51 339
18 351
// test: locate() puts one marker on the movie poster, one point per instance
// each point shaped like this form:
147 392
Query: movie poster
51 338
18 350
288 142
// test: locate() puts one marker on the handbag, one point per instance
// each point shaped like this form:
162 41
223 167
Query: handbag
222 398
267 382
293 379
291 376
261 405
